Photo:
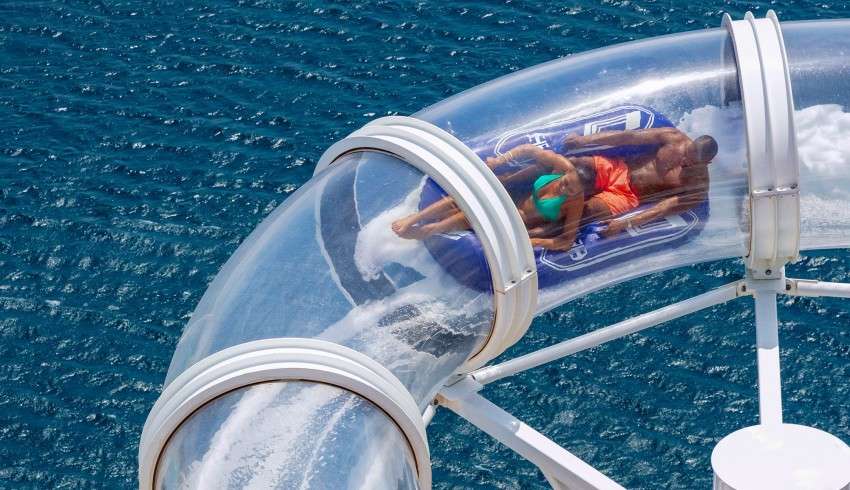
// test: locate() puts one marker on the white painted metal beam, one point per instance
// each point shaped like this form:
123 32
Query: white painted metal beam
806 287
562 468
498 371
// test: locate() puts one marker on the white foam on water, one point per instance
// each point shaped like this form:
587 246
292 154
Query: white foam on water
377 244
318 441
235 444
271 441
823 142
377 471
393 344
823 139
437 300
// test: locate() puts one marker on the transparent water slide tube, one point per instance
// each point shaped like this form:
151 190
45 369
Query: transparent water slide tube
688 78
819 59
326 265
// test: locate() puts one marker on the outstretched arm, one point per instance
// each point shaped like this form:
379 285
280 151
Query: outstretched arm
671 205
652 136
519 152
555 162
546 158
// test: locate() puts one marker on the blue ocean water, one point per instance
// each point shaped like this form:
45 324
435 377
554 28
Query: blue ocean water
141 141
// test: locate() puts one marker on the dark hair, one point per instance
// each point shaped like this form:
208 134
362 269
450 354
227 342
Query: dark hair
706 148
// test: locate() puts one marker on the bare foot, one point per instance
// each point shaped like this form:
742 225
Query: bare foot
404 227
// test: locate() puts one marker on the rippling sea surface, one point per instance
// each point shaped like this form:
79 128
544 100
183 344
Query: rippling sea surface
141 141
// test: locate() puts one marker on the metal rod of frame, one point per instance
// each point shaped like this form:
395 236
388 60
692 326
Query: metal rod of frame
562 468
592 339
767 346
807 287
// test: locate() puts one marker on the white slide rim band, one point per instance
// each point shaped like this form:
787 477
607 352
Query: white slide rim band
771 142
486 204
281 359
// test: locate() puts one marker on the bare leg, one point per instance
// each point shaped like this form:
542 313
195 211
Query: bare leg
454 222
438 210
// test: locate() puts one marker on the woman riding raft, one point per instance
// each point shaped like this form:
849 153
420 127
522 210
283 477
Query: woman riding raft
568 192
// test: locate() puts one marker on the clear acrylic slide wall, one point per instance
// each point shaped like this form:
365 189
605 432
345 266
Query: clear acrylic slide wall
688 79
819 59
326 265
330 262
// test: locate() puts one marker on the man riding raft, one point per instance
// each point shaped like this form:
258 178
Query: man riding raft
569 192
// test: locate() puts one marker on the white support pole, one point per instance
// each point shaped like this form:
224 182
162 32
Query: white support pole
806 287
767 344
562 468
498 371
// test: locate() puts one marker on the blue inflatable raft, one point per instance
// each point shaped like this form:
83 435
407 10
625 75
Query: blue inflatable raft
460 252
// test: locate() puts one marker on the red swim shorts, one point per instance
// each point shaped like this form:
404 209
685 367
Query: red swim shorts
612 184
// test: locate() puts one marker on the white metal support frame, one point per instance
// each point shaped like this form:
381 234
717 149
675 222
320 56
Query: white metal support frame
281 359
597 337
808 287
562 468
486 204
771 142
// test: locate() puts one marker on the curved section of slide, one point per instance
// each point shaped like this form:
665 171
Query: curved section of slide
325 265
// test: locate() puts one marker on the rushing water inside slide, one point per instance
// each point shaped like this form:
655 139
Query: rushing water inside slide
142 142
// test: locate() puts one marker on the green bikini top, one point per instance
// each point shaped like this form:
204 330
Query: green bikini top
550 207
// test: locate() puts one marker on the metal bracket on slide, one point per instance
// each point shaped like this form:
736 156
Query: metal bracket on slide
281 359
486 204
771 143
